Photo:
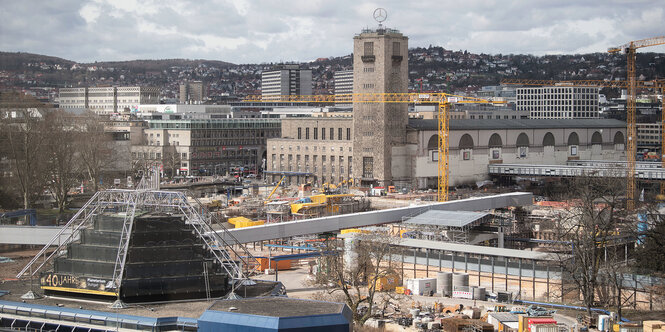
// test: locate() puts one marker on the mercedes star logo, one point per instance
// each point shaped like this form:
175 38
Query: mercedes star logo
380 15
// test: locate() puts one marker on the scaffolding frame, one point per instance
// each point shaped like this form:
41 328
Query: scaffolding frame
146 198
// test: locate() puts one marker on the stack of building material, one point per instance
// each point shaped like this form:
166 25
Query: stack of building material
653 326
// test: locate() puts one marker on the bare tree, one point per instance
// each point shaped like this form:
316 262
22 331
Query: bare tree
95 147
588 226
171 161
354 274
64 168
22 126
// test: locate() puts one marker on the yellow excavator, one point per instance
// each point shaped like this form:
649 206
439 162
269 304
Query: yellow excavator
275 189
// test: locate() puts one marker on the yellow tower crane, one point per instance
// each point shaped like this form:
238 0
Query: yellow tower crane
631 151
630 49
443 100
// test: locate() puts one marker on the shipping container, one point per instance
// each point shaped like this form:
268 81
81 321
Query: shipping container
422 286
281 265
387 283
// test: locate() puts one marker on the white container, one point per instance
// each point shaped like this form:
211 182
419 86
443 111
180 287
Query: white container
603 323
631 329
422 286
433 325
544 328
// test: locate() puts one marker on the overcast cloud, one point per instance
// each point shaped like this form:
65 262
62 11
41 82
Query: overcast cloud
248 31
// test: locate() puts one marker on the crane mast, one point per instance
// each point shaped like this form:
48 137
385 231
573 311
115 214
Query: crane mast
630 49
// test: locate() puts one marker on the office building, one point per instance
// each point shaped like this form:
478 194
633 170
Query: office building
205 146
286 80
343 81
559 102
192 92
107 100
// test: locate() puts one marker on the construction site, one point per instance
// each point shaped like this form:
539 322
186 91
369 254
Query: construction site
481 262
307 250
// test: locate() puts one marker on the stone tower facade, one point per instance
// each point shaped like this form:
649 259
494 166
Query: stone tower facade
380 65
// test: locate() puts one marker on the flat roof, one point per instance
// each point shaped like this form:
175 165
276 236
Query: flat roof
479 250
490 124
278 307
504 317
447 218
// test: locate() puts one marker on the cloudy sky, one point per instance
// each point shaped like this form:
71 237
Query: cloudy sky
256 31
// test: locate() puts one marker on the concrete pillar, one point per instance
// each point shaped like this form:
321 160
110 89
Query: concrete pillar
519 275
506 275
548 283
414 263
500 237
533 278
480 260
452 260
466 262
402 254
492 258
427 263
439 260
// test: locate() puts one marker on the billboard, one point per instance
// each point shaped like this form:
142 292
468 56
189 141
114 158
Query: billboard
76 284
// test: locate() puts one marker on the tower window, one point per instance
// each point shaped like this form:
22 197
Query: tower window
396 48
369 48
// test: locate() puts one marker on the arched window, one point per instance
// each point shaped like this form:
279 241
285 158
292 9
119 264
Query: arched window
433 143
548 140
573 139
618 138
522 145
573 142
466 142
596 138
495 141
522 140
433 148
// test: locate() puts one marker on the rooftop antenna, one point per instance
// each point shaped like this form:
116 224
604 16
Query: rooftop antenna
380 15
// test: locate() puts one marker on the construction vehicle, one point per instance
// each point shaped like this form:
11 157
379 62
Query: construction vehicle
214 204
442 100
275 189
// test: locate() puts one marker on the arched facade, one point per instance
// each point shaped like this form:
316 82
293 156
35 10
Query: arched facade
573 144
619 141
473 149
548 140
466 146
522 145
495 144
618 138
466 142
433 143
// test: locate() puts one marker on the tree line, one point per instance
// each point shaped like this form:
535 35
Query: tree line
45 150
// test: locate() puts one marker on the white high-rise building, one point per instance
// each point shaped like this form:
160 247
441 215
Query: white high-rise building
559 102
343 85
343 82
286 80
